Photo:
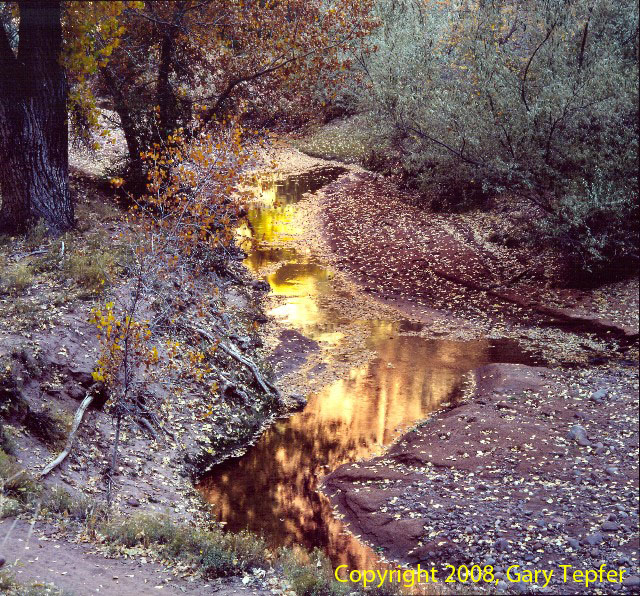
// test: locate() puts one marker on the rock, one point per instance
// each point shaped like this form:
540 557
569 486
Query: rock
573 543
298 400
631 582
578 434
244 342
610 526
501 586
501 544
260 285
611 470
521 587
133 502
594 539
599 395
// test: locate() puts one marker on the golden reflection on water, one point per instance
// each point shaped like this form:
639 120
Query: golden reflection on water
272 490
300 279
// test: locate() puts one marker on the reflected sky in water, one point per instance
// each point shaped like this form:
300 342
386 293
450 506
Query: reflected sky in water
272 490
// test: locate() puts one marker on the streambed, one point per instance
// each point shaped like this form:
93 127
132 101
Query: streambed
273 489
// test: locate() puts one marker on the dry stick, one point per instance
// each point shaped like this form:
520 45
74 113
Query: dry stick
13 525
143 422
266 386
114 458
77 419
32 525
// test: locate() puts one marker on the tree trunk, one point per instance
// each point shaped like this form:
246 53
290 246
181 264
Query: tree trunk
165 94
136 183
34 166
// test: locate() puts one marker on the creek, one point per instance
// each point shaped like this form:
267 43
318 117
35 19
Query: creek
272 490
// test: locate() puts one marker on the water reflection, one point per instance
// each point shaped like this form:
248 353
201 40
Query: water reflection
272 490
269 217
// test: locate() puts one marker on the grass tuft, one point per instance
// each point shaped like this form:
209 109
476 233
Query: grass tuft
90 268
214 552
17 278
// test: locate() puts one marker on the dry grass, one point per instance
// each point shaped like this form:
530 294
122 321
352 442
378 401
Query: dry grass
90 267
17 278
351 140
213 552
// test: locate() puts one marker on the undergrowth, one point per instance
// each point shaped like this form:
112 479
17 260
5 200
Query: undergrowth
350 140
212 552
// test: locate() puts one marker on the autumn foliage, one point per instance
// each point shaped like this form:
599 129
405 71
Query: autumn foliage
269 60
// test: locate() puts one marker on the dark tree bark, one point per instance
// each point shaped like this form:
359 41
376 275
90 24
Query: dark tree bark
165 93
34 167
114 87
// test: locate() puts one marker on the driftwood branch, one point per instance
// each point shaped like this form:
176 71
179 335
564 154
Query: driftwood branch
266 386
77 419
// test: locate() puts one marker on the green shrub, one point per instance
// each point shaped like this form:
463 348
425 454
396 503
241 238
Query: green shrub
10 587
215 552
311 574
9 507
596 226
530 97
58 500
352 140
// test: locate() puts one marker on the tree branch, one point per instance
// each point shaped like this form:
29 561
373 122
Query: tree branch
266 386
77 419
526 69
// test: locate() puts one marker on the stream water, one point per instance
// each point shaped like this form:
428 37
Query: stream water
272 489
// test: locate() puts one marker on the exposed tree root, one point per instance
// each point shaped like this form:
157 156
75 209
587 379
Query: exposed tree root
77 419
266 386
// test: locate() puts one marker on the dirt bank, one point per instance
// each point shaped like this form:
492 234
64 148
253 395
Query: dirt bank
535 468
48 352
418 259
41 558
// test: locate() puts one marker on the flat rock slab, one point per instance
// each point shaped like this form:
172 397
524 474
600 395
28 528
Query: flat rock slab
499 477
